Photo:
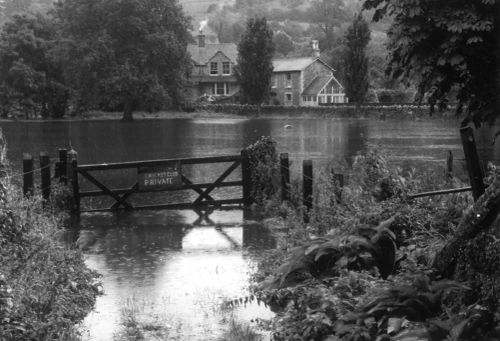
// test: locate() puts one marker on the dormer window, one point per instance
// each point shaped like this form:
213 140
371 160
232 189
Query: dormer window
226 68
214 68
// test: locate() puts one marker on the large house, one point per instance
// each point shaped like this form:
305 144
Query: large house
212 73
306 81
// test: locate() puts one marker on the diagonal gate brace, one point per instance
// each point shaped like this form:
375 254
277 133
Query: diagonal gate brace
205 194
119 200
125 196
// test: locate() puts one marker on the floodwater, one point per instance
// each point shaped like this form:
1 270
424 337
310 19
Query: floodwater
172 270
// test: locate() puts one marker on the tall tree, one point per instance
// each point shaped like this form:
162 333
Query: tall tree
441 44
255 67
128 54
355 60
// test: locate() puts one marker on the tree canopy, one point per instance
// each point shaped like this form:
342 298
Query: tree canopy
255 67
355 59
126 54
441 44
30 77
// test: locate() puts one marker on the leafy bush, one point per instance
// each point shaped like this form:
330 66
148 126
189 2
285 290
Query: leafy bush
265 169
45 288
395 96
370 227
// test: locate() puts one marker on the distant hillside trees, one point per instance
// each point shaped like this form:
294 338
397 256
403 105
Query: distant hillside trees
283 43
355 60
328 15
10 7
255 67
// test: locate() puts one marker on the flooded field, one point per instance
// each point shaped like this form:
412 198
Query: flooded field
170 272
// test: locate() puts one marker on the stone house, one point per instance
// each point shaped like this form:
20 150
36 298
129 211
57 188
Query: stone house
212 74
305 81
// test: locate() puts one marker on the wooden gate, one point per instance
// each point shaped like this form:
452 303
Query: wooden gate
164 175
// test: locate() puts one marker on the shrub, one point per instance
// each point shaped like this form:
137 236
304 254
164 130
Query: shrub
370 227
395 96
45 287
265 169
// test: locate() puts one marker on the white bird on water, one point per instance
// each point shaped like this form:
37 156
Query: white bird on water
288 126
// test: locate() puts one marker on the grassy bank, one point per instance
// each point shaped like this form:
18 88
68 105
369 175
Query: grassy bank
45 287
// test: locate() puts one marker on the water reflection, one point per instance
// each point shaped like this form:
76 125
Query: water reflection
184 263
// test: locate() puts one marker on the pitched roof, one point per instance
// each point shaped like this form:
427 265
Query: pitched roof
296 64
292 64
201 55
317 84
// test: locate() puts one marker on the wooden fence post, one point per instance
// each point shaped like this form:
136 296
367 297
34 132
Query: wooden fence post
339 179
307 187
246 177
45 174
449 166
27 174
472 161
285 177
63 164
74 181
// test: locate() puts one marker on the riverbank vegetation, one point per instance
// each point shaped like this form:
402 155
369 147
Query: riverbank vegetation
368 265
45 287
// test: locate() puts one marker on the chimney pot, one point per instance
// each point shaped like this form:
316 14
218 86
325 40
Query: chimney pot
315 48
201 39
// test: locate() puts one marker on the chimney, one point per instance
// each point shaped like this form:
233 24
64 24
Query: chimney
315 49
201 39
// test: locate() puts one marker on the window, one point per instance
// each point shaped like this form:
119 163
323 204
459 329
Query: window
304 98
288 80
314 98
274 81
226 68
220 89
213 68
288 97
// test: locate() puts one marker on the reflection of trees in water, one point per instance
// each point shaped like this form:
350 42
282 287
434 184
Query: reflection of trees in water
357 137
133 243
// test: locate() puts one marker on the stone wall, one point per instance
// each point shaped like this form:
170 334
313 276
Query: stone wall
363 111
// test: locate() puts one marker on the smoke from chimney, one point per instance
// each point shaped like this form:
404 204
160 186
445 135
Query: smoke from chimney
203 24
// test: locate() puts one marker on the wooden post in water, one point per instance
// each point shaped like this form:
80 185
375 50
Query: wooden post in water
63 162
472 161
27 174
449 166
285 177
45 174
307 187
74 180
246 177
